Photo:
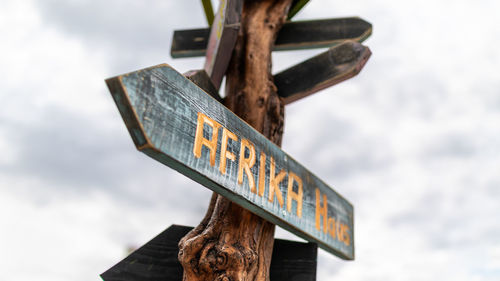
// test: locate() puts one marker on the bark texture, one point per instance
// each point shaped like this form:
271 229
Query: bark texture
231 243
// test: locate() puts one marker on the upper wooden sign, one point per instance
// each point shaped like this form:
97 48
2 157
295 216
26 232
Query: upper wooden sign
294 35
339 63
175 122
223 35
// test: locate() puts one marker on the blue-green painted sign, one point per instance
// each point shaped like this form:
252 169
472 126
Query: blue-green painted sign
175 122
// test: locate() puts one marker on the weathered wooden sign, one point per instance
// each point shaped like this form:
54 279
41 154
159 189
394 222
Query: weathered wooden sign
339 63
175 122
294 35
157 260
223 35
325 33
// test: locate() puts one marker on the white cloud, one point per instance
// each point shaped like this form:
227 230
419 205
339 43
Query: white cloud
412 141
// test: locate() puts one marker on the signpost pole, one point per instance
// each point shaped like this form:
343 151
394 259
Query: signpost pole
232 243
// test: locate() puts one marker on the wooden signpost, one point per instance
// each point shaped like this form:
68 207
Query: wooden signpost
339 63
175 122
293 36
180 121
223 35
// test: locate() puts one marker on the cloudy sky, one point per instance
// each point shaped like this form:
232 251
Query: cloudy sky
413 141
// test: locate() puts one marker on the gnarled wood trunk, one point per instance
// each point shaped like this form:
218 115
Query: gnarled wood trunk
231 243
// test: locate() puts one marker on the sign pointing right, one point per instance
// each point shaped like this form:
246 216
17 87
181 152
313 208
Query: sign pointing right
295 35
339 63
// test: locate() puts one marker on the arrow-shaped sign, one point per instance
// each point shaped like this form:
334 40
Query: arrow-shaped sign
339 63
175 122
294 35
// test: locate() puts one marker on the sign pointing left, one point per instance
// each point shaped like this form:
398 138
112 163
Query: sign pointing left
175 122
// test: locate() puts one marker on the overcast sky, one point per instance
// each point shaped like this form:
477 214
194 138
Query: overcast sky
413 142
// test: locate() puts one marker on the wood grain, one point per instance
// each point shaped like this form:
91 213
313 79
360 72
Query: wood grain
338 64
295 35
157 260
161 109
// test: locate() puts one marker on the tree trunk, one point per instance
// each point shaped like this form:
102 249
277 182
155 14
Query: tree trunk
231 243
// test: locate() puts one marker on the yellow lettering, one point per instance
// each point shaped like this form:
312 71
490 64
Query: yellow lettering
347 238
332 226
224 154
247 163
262 174
297 196
340 232
321 211
274 181
344 234
200 140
